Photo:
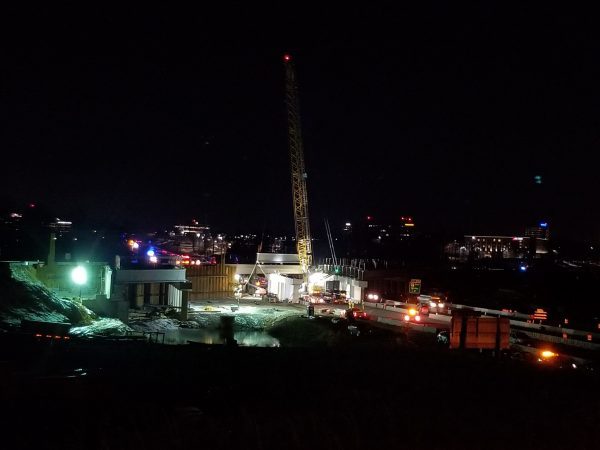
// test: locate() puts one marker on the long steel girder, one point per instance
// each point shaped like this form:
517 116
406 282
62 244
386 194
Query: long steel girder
300 197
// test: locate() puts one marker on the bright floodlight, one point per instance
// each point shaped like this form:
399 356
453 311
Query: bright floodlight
317 277
79 275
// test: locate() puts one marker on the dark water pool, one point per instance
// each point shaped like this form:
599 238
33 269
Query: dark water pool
204 336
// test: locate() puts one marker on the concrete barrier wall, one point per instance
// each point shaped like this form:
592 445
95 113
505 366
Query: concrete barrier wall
560 340
517 323
569 331
493 312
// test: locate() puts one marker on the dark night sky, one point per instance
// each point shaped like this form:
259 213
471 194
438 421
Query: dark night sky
150 116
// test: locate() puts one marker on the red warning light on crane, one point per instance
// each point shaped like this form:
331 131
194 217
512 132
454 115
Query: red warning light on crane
287 58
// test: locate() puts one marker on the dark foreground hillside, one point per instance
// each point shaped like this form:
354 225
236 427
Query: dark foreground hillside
103 395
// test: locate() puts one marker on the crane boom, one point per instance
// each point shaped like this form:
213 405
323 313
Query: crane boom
300 197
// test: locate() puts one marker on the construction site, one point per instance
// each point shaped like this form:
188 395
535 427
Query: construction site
163 347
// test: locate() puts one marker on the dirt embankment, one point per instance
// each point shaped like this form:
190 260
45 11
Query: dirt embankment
23 296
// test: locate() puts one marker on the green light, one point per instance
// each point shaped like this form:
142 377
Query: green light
79 275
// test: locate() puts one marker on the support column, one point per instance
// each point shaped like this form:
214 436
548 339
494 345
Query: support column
184 305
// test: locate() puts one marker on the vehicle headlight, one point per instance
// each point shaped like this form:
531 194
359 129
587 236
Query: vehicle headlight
370 296
418 318
407 317
441 305
432 304
375 297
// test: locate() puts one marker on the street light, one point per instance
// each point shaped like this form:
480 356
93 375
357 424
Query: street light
79 277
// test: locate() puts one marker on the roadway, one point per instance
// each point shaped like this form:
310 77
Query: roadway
391 315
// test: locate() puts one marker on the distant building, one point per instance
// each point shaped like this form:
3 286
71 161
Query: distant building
60 226
380 233
13 219
496 247
407 227
540 231
192 238
194 229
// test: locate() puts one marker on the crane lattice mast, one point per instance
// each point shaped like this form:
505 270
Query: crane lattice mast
300 197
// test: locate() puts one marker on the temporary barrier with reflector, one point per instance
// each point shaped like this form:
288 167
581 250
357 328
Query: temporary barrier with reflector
540 314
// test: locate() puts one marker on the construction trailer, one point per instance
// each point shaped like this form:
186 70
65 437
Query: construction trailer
471 331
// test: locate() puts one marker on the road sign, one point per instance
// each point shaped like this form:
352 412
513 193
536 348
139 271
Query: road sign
414 287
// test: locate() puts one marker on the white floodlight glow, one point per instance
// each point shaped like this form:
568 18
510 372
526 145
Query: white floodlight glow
317 277
79 275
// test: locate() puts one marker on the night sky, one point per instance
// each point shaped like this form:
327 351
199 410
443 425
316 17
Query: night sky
148 117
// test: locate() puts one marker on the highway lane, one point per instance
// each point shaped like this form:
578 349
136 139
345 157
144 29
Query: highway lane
390 315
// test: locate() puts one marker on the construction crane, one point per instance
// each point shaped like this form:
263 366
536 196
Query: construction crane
300 197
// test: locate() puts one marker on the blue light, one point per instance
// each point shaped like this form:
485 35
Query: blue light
523 268
150 252
543 224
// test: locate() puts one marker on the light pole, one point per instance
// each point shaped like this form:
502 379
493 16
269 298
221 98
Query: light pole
79 277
